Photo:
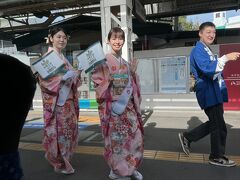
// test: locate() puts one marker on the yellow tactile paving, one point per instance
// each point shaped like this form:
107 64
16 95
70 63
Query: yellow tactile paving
198 158
165 155
89 150
31 146
35 113
148 154
206 157
89 119
23 145
86 119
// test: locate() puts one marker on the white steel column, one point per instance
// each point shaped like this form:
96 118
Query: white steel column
117 13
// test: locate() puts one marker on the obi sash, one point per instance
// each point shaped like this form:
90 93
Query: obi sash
120 105
63 93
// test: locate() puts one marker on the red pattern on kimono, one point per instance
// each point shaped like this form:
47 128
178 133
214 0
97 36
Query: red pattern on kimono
60 122
123 135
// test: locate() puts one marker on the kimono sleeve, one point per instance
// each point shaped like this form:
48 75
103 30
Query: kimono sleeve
203 62
136 80
77 79
51 85
101 78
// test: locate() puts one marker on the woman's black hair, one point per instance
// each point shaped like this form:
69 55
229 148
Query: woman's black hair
54 30
116 30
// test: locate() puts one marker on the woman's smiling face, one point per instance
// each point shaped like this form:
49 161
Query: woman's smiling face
59 40
116 42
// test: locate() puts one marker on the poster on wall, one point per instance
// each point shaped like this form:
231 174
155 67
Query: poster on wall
172 75
145 71
232 77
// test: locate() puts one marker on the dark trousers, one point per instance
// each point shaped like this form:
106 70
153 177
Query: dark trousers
216 127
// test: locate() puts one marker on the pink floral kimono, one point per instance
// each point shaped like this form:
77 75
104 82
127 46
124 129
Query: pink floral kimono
123 134
60 122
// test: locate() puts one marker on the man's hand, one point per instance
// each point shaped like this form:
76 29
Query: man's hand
233 56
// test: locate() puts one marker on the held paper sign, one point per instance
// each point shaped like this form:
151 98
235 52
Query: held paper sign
49 65
91 57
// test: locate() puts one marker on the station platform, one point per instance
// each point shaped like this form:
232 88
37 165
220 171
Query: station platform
163 157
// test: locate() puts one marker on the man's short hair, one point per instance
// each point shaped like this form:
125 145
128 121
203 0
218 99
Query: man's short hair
206 24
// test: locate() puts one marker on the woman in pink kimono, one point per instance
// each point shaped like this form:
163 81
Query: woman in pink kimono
118 97
60 108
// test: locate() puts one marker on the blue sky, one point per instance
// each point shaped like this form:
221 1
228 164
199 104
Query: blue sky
209 16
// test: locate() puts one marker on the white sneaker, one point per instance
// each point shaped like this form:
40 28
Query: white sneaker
222 161
68 172
63 171
137 175
45 156
112 175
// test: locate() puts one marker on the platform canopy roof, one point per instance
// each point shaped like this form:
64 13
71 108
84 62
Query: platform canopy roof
9 8
85 14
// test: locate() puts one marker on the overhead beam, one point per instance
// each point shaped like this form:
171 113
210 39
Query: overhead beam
30 27
50 19
21 29
175 7
79 11
170 9
144 2
19 21
12 2
45 25
45 6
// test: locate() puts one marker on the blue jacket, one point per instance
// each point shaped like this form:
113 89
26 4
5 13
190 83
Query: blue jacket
203 66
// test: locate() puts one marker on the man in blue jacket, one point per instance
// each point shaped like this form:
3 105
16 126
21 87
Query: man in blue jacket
211 92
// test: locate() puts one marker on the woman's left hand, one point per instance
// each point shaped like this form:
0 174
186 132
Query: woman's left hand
133 65
69 74
79 74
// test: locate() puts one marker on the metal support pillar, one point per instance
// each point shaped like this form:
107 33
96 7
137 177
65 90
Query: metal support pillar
176 23
117 13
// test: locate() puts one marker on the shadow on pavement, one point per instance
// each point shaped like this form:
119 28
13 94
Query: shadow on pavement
93 167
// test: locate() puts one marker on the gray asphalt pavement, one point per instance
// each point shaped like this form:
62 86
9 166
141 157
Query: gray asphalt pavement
163 158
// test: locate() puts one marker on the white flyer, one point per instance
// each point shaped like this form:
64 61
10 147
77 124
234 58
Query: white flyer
91 57
49 65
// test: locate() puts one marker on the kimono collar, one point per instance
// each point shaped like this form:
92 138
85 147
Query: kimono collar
52 49
60 55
